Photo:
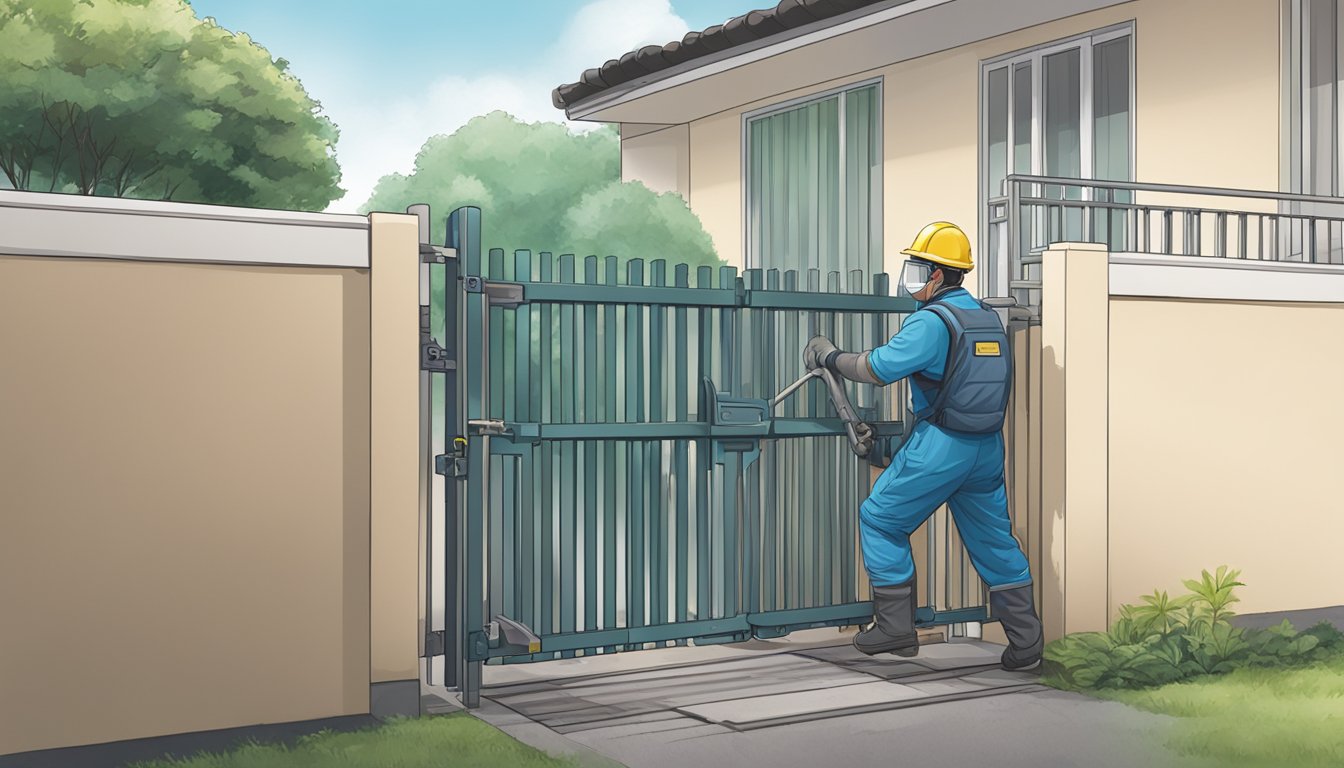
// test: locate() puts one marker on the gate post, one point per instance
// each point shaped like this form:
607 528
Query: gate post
394 468
1075 340
467 495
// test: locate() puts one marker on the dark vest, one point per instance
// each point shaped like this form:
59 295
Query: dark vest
972 396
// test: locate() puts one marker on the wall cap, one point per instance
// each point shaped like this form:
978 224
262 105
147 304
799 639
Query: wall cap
1065 247
38 224
1195 277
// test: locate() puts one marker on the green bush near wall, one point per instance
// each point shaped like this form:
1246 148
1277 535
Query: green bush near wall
1169 639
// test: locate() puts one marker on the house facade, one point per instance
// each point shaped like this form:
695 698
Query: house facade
828 134
1157 181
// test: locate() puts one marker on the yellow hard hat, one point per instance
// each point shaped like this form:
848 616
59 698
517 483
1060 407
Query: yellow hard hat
943 243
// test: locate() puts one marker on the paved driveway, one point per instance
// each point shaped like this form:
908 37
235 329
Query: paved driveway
814 701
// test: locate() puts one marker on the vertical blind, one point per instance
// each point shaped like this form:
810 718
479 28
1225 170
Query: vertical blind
813 185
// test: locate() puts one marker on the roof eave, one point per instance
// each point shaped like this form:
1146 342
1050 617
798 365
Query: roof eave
588 109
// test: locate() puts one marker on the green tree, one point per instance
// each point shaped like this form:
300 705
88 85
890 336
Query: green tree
140 98
542 187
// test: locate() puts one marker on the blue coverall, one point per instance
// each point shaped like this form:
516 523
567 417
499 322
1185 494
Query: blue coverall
934 466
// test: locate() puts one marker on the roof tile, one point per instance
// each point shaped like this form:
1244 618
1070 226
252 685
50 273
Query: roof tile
740 30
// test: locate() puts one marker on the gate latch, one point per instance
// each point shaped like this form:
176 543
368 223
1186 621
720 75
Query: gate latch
489 426
749 413
728 411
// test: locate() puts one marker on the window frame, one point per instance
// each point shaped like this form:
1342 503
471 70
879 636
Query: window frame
877 205
1085 42
1295 114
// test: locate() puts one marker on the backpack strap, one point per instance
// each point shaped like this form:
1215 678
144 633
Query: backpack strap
953 333
919 376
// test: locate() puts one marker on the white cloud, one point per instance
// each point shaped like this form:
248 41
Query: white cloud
382 137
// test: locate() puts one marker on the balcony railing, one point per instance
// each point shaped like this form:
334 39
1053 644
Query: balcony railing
1165 219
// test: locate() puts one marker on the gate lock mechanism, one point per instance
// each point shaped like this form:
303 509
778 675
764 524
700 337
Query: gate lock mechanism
453 464
748 412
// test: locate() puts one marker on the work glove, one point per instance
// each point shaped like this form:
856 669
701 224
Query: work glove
816 352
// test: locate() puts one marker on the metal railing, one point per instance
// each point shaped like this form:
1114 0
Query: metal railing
1164 219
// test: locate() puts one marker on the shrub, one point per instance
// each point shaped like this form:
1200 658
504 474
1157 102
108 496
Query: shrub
1167 639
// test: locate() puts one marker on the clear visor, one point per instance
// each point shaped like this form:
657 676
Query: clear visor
915 275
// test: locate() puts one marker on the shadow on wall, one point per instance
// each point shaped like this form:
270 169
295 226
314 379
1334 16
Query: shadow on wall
1051 511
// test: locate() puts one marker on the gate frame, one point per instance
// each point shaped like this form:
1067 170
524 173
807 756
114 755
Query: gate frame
469 639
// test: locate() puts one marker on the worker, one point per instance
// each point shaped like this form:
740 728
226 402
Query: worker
956 354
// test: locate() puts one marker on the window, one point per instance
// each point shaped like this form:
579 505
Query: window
1062 110
814 185
1313 96
1312 156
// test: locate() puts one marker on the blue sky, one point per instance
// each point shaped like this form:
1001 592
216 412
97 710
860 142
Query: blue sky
396 72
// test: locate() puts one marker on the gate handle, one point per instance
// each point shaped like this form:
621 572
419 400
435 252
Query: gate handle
860 434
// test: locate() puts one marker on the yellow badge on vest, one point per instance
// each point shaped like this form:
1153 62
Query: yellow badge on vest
987 349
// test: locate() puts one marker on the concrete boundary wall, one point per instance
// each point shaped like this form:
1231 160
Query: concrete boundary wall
209 468
1173 437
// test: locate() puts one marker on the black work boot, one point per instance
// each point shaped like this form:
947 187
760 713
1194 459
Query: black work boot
1016 612
893 628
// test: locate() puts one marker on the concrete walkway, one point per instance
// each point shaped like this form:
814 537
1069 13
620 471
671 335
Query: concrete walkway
812 700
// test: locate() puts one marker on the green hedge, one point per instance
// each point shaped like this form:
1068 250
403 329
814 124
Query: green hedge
1168 639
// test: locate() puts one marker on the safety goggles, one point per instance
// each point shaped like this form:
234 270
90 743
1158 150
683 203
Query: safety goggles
915 275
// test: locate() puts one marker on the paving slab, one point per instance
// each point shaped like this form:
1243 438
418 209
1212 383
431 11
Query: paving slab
959 654
637 661
886 667
576 702
748 710
956 657
953 686
1039 729
827 704
622 722
676 727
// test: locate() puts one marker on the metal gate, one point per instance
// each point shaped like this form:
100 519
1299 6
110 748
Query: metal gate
616 477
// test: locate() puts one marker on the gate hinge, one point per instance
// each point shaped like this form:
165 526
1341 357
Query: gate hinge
433 357
432 254
435 643
505 295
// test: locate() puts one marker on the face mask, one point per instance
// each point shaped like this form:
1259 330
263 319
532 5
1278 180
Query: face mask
914 276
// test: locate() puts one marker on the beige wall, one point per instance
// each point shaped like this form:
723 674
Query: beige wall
184 460
660 158
208 471
1177 435
1206 77
1224 448
716 182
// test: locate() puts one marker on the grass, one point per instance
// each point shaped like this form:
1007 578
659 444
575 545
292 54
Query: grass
446 741
1291 716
